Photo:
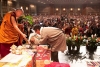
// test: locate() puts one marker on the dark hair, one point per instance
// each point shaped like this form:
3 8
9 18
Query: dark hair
36 27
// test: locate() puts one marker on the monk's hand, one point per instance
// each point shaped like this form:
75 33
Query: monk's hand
24 36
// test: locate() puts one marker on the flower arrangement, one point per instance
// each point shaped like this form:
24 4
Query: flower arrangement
75 40
78 40
69 41
72 42
91 41
91 44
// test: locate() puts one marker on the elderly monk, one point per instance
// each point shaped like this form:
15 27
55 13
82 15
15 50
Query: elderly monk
53 37
9 31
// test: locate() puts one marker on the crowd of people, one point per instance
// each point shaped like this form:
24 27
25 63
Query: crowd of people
71 24
16 30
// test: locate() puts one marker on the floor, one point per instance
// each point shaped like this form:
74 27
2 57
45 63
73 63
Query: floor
79 60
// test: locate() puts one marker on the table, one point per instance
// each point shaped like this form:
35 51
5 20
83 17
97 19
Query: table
26 60
30 59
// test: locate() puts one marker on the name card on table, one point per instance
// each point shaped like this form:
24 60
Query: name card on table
11 58
93 63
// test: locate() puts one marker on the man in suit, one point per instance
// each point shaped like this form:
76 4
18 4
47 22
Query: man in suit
51 36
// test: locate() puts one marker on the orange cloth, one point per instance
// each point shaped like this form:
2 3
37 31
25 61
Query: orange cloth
8 34
74 31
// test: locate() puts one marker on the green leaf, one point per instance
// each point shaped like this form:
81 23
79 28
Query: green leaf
29 19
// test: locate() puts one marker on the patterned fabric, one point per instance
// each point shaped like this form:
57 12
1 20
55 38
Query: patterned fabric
43 56
93 64
57 64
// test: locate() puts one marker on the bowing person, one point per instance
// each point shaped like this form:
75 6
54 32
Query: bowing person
51 36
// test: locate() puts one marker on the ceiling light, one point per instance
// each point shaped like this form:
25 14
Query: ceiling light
71 9
64 9
9 2
91 2
32 6
78 9
57 9
21 7
43 3
38 1
26 8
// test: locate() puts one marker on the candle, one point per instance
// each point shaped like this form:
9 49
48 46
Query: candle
92 36
84 36
95 35
87 41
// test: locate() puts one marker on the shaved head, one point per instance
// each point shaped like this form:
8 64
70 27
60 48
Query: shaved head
19 12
